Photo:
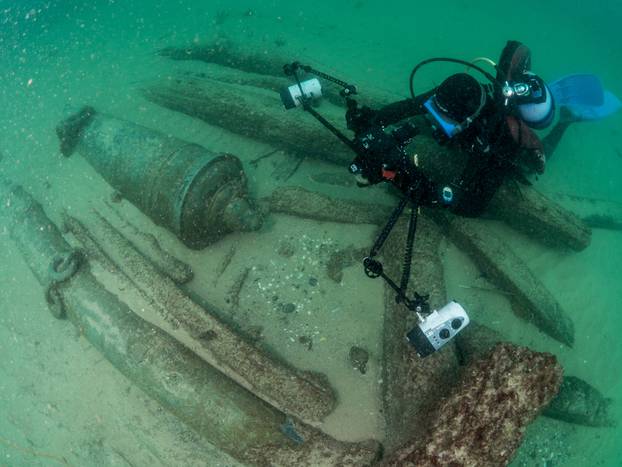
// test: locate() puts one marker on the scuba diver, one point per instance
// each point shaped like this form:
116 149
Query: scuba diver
491 125
487 133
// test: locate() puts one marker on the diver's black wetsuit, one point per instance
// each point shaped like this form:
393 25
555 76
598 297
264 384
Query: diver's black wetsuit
493 153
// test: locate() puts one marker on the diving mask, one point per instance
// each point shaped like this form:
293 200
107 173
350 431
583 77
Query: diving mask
443 121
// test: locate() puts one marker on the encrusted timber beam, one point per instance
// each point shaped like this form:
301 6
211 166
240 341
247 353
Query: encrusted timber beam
531 300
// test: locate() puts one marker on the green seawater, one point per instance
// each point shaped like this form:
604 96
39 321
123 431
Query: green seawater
62 403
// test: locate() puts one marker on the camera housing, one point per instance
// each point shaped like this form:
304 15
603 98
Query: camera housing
291 96
438 328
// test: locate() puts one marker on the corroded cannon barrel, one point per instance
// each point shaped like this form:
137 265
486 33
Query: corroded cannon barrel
304 395
251 112
217 408
197 194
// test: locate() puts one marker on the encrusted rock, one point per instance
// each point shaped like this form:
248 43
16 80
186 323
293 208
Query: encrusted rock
577 402
483 421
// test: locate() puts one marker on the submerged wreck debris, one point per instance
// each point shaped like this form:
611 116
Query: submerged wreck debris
198 195
224 264
236 289
576 402
258 159
580 403
358 358
221 411
225 52
412 386
341 259
482 422
263 68
251 112
341 178
297 201
149 246
268 82
597 213
290 173
299 394
530 212
530 299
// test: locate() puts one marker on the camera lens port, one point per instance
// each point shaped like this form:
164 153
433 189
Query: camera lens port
444 333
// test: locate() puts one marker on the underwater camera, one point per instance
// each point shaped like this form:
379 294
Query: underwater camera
438 328
380 156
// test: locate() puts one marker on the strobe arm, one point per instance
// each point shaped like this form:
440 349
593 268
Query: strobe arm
291 69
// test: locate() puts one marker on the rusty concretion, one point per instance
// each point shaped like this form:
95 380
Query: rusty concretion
198 195
412 386
482 422
305 396
577 402
530 299
226 414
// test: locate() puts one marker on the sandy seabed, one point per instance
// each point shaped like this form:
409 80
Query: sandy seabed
60 399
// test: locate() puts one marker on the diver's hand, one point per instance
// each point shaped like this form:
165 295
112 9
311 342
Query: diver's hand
367 170
359 119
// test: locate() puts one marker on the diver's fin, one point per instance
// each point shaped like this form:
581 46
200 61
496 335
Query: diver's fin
611 104
579 89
